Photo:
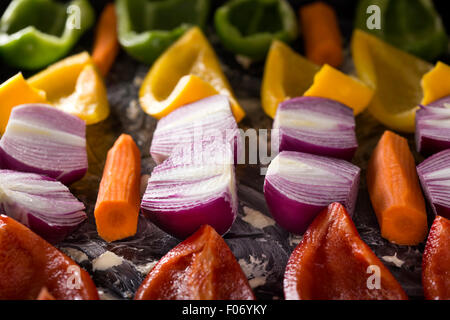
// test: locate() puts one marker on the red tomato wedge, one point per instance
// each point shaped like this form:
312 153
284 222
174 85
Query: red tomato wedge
202 267
436 261
333 263
28 263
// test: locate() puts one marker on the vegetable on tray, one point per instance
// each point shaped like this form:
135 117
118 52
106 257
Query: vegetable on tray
29 263
34 34
118 202
315 125
299 185
202 267
333 263
436 83
395 192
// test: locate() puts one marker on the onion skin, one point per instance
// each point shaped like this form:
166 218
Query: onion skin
57 148
316 125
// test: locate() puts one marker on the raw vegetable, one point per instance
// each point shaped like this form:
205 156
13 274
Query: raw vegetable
195 186
16 91
395 191
286 75
434 175
323 39
205 119
333 263
29 263
432 130
41 203
34 34
202 267
333 84
166 88
315 125
299 185
436 83
45 295
248 27
44 140
106 45
436 261
117 208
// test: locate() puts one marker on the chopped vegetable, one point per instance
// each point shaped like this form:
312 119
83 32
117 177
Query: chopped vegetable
165 88
248 27
29 263
202 267
206 118
43 204
333 84
434 174
333 263
395 191
45 295
323 39
315 125
118 202
14 92
194 186
286 75
106 45
44 140
436 83
436 261
432 130
298 186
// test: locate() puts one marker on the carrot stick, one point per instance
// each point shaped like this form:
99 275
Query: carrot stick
323 40
117 208
395 191
106 44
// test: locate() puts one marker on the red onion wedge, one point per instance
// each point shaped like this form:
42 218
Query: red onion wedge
316 125
299 185
43 204
206 119
433 127
194 186
434 175
42 139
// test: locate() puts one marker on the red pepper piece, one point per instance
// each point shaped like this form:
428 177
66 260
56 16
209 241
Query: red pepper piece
45 295
436 261
202 267
28 263
331 263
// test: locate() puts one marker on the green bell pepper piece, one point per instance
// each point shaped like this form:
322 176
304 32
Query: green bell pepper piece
411 25
148 27
247 27
36 33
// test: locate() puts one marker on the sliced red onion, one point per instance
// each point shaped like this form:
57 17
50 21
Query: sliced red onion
434 175
433 127
42 139
43 204
207 119
316 125
194 186
299 185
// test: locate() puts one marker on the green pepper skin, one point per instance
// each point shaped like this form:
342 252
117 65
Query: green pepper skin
411 25
36 33
248 27
148 27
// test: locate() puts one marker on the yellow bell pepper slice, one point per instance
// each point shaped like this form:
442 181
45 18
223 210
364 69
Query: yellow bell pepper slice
394 74
75 86
14 92
286 75
166 86
436 83
333 84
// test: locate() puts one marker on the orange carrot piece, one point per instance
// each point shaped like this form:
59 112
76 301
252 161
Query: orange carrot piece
45 295
117 208
106 44
395 191
323 40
